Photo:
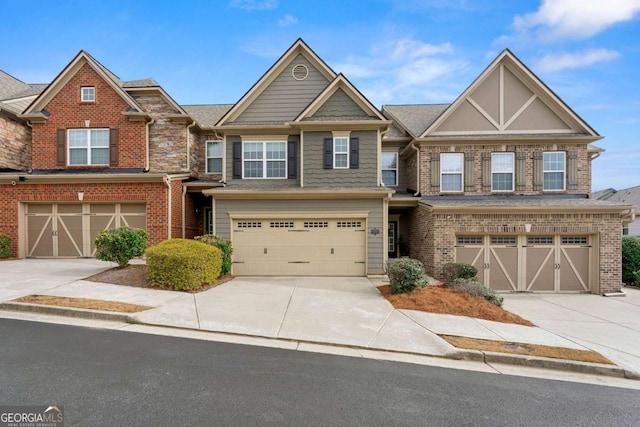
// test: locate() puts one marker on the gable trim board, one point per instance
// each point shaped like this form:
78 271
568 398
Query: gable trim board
508 61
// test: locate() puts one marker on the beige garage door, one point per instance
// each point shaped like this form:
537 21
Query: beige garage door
68 230
529 262
299 247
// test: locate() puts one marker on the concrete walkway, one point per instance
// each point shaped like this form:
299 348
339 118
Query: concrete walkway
346 312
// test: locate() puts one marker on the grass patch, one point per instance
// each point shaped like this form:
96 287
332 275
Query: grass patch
527 349
441 300
86 303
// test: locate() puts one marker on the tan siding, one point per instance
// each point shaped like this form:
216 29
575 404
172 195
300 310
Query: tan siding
373 206
285 97
466 118
365 176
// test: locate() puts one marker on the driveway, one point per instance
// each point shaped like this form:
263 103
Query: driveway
610 326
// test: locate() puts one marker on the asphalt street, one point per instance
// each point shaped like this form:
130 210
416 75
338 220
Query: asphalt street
115 378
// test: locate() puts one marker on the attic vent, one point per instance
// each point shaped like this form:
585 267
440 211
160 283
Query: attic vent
300 72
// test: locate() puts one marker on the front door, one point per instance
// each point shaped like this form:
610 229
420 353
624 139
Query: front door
393 239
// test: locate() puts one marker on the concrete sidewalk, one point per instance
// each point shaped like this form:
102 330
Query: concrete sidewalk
346 312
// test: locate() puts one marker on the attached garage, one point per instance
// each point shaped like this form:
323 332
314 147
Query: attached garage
299 246
68 230
530 263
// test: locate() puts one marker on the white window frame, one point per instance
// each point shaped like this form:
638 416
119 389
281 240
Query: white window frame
342 153
88 94
494 170
88 147
563 170
207 157
460 156
264 160
383 169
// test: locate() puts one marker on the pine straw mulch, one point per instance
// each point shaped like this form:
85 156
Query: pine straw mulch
441 300
136 275
85 303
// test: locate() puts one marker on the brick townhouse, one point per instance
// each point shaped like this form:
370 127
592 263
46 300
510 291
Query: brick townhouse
307 177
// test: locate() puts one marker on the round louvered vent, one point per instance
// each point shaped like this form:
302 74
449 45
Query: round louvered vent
300 72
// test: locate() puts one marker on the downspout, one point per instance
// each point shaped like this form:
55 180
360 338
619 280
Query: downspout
417 193
167 181
184 198
148 126
188 152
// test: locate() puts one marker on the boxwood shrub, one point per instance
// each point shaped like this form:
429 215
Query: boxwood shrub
630 258
223 245
182 264
121 244
5 246
459 270
406 275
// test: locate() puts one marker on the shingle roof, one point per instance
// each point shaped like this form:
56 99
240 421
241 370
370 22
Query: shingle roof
629 196
416 118
140 83
207 115
508 202
9 85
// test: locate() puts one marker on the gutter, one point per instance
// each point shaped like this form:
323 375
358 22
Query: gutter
188 152
413 145
148 126
184 198
167 181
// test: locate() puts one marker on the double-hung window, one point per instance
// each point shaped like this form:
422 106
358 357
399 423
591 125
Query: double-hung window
264 159
502 172
390 169
553 171
214 156
341 152
88 146
451 172
87 94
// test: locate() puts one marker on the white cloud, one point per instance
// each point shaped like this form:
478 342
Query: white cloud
561 61
406 71
576 19
250 5
287 20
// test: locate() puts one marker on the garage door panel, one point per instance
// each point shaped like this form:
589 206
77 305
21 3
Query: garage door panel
473 256
503 269
540 274
70 236
39 236
574 273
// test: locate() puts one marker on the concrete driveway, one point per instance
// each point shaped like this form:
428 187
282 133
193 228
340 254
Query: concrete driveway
610 326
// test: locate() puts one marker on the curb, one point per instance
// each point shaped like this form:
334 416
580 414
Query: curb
460 354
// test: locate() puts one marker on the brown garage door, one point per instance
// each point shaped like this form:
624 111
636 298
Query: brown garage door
68 230
531 263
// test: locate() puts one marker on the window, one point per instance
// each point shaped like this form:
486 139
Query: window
502 172
470 240
214 156
88 146
341 152
390 169
87 94
451 171
264 159
625 230
553 171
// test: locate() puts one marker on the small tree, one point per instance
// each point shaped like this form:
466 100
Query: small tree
121 244
630 258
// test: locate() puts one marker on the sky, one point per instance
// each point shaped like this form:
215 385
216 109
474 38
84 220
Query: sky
393 51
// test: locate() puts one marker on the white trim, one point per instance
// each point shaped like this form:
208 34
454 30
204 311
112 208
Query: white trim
461 173
206 155
336 153
264 160
513 170
382 169
88 147
91 92
563 170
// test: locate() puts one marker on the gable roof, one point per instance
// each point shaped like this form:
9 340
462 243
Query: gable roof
299 47
207 115
69 71
15 95
629 195
340 82
414 118
541 92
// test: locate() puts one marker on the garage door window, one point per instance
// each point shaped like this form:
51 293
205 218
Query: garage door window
264 159
88 146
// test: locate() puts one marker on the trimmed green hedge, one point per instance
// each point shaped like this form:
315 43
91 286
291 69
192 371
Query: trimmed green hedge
5 246
182 264
630 258
459 270
406 275
121 244
223 245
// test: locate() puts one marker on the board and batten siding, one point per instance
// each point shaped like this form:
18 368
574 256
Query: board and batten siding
364 177
340 105
260 183
285 97
375 255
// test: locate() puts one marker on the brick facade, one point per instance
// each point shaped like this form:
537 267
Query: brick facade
15 140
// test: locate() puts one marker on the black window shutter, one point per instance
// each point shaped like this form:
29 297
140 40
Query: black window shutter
328 153
114 136
61 147
237 160
292 159
354 156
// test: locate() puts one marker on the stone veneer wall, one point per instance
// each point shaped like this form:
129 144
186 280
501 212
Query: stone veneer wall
434 236
15 140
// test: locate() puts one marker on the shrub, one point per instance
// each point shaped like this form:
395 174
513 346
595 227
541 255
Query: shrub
121 244
459 270
636 278
630 257
182 264
223 245
476 289
5 246
406 275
